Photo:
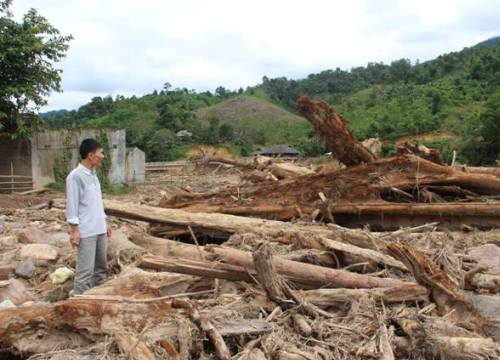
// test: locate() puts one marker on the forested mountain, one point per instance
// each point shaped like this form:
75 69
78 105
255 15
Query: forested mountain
456 92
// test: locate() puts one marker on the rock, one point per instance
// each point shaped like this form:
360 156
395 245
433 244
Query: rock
7 304
31 235
53 227
15 291
60 238
487 255
15 225
5 272
26 269
39 252
58 293
7 241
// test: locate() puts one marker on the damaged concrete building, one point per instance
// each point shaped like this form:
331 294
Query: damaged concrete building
49 155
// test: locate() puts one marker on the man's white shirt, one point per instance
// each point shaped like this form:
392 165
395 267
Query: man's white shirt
84 202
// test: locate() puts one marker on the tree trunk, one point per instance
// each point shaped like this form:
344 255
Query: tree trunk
325 298
238 224
333 129
239 263
79 315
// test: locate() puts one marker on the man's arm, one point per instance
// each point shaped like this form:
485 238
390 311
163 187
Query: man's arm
72 200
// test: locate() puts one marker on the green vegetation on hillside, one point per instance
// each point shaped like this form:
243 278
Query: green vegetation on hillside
454 93
449 93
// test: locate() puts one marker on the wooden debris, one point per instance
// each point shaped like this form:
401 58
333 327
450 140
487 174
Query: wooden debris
372 191
238 263
206 327
445 292
332 128
325 298
232 224
422 151
132 347
6 272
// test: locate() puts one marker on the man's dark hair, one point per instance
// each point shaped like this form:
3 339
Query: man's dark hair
89 145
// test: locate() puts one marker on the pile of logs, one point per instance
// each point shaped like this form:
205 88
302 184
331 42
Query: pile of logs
387 193
274 290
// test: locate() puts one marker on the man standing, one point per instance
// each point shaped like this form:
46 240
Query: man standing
86 218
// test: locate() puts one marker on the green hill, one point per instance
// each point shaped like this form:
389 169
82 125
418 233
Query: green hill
244 108
258 120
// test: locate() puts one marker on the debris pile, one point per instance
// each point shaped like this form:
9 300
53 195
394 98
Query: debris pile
264 270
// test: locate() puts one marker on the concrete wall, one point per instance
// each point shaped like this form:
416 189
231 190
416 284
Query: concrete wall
47 146
15 160
16 152
117 148
135 165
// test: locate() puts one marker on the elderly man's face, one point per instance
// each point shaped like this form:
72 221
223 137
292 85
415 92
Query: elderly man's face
97 157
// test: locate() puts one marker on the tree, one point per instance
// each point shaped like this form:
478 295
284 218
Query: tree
174 110
28 50
211 135
483 144
400 70
490 128
226 132
160 146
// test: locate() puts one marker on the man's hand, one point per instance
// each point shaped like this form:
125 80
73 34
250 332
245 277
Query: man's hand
109 231
74 236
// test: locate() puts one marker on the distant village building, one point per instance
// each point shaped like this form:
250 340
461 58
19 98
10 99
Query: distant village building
50 154
183 135
282 150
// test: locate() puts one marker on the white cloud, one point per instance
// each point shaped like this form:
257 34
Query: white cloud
130 47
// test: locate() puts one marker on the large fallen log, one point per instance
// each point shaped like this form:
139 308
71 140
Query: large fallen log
231 224
289 170
436 210
325 298
388 182
332 128
137 283
86 316
164 247
481 170
241 269
353 242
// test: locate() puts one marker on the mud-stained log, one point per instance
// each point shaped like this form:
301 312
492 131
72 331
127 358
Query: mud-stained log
304 275
237 224
78 315
164 247
390 182
332 128
325 298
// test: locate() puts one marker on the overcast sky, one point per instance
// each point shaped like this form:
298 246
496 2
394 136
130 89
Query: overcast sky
133 47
